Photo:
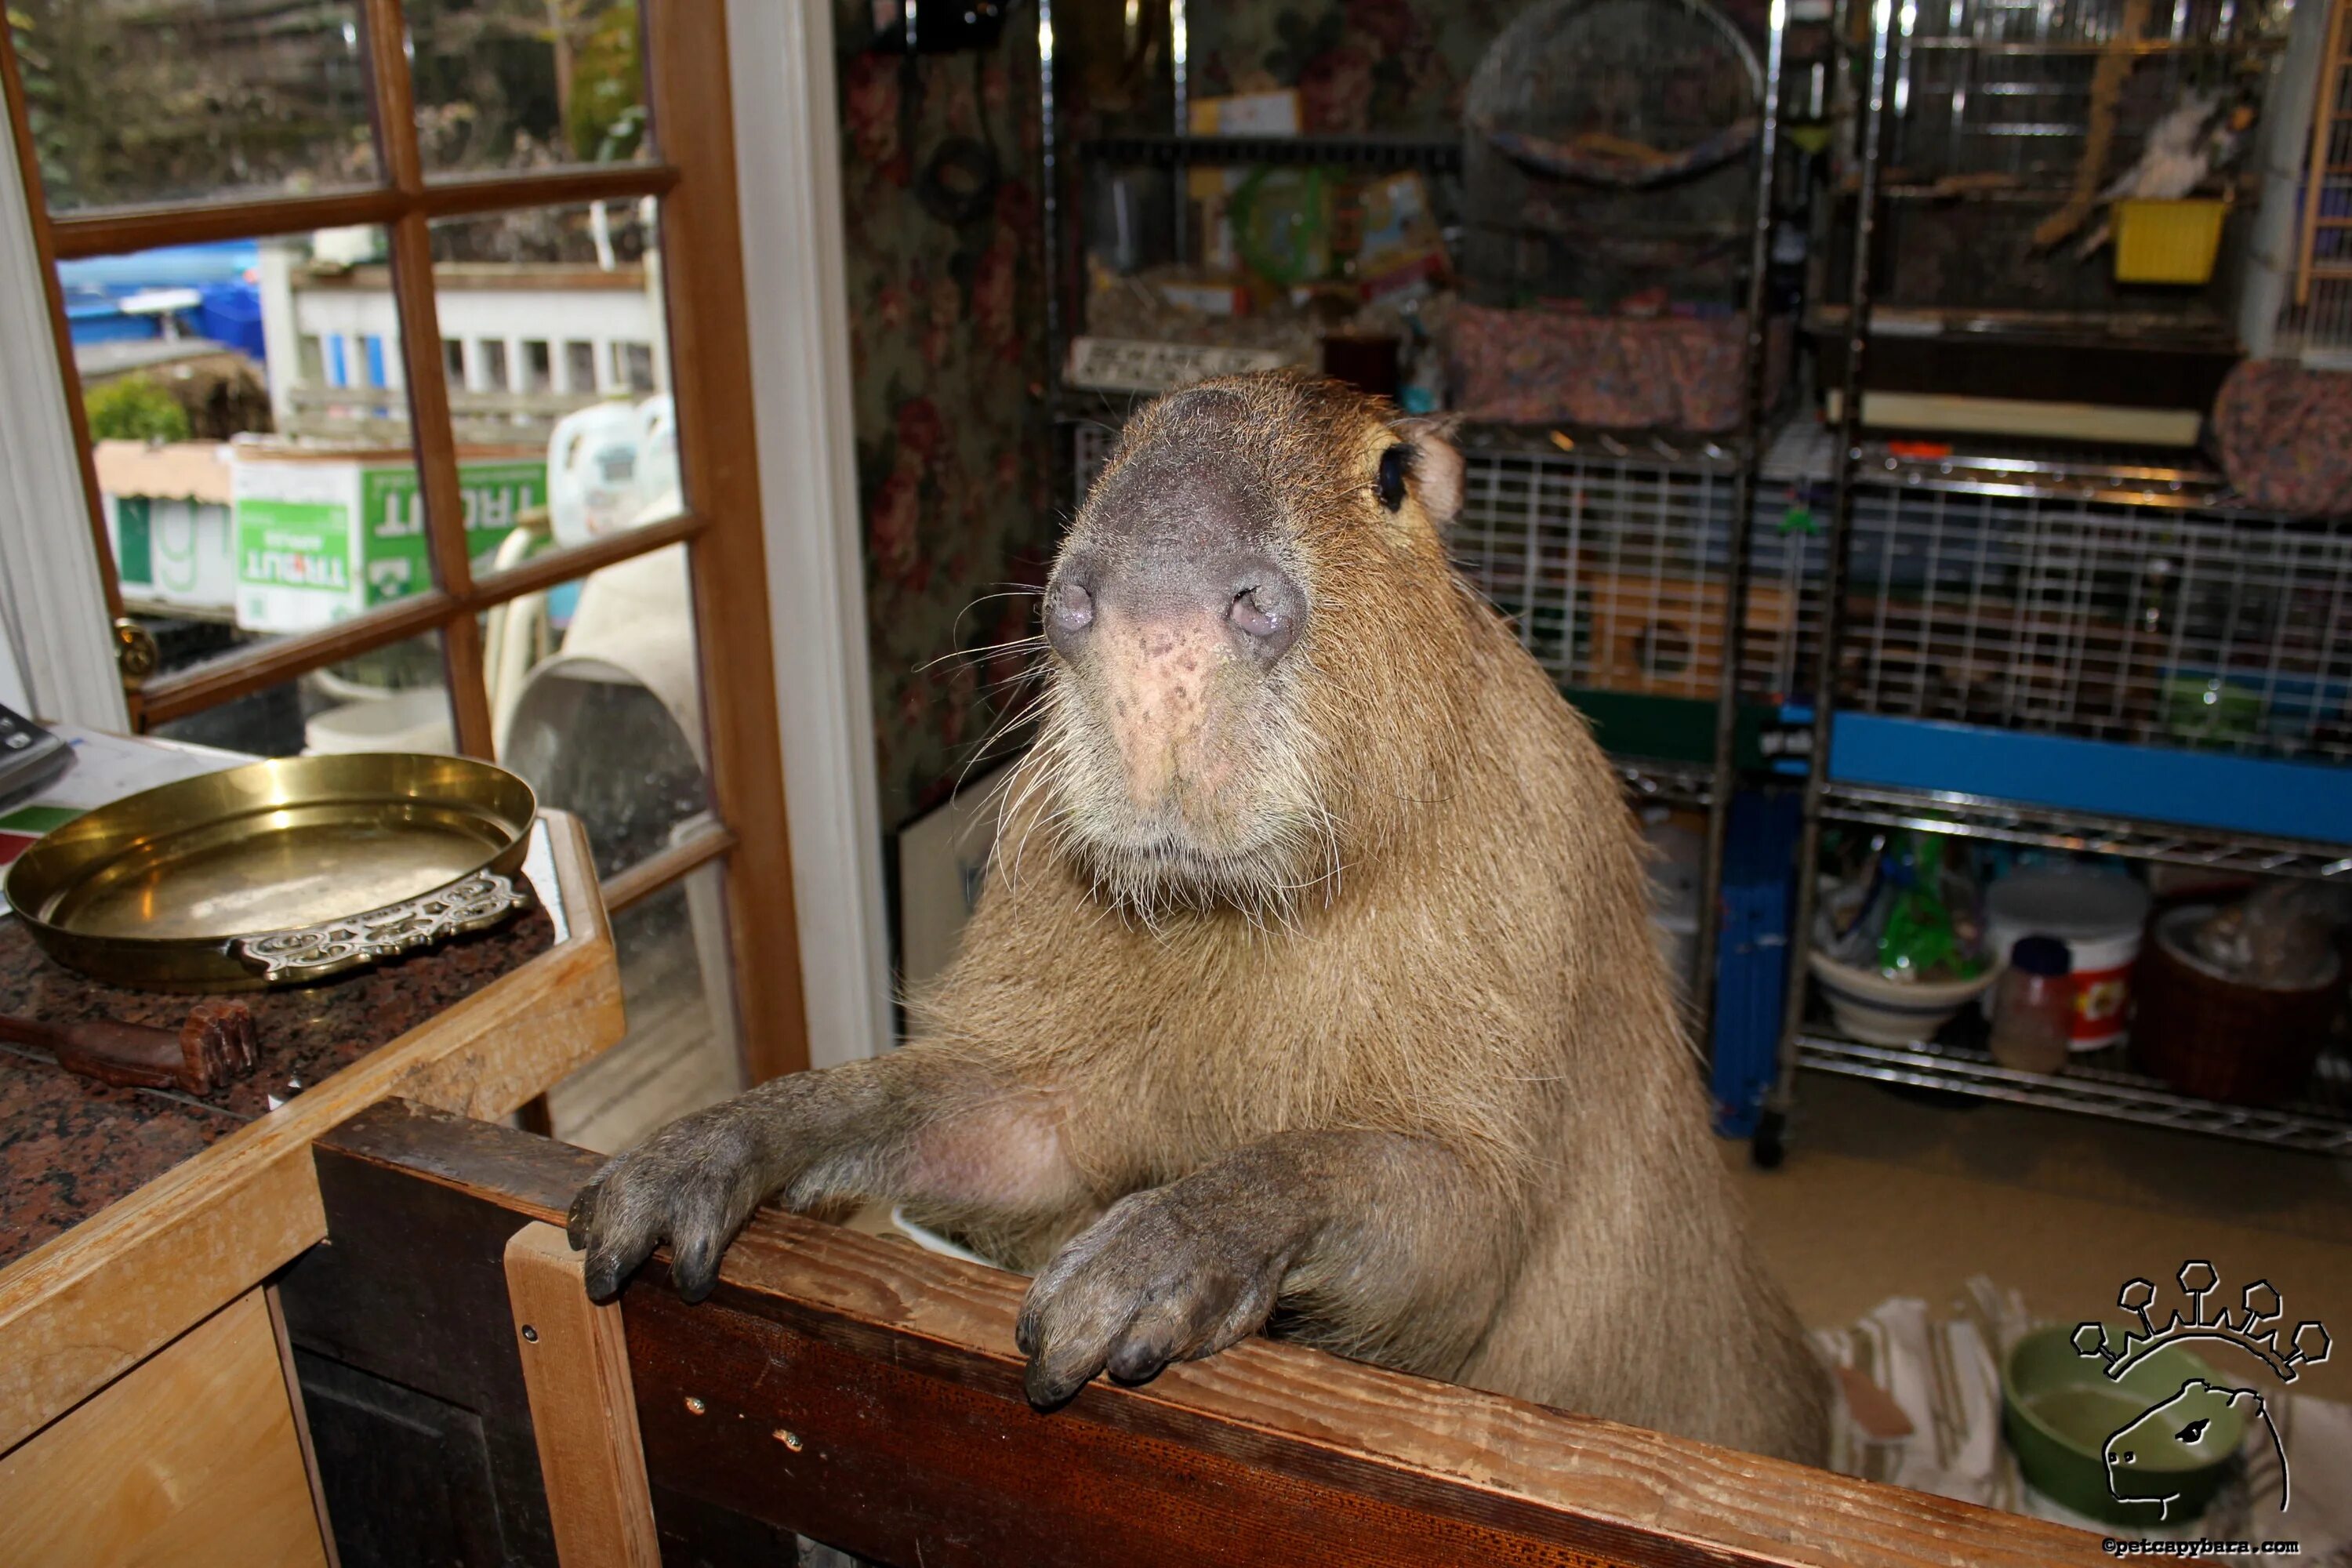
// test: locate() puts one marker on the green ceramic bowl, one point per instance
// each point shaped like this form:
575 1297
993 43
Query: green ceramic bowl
2166 1428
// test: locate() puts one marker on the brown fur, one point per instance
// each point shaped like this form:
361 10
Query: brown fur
1338 971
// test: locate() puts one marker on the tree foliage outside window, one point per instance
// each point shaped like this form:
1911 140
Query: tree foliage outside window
138 101
135 410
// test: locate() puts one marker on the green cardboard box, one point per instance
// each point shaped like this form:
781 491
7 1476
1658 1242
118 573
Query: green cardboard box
321 536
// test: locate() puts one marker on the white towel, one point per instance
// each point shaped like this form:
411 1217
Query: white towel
1943 1371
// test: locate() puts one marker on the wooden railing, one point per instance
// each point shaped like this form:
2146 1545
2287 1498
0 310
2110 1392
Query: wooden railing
379 414
866 1394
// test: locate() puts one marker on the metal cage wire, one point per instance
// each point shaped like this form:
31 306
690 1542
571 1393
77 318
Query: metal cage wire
1971 601
1613 566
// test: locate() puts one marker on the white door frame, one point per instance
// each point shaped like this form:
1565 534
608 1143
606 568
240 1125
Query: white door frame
58 661
788 164
788 177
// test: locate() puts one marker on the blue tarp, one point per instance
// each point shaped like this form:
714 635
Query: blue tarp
221 273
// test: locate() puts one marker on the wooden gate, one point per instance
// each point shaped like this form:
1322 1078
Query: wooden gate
863 1394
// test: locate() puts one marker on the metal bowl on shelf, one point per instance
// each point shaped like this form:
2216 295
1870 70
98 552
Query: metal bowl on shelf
279 872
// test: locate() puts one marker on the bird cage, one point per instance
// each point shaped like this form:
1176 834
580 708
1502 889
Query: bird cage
1604 157
2013 131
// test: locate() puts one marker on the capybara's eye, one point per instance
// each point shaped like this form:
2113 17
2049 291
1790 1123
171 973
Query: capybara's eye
1395 464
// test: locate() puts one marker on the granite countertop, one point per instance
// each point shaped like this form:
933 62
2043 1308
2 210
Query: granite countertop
69 1145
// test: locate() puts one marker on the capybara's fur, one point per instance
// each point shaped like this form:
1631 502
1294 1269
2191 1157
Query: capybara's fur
1313 974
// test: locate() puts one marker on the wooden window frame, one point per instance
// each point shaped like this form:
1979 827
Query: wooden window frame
687 85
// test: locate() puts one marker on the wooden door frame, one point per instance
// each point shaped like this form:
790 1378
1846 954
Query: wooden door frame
785 692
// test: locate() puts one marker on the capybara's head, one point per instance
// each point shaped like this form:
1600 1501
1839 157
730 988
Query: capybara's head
2200 1426
1258 647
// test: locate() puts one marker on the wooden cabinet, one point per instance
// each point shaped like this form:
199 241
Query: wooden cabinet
191 1458
144 1401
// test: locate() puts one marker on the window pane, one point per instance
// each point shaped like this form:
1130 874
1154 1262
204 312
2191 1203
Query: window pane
527 84
250 417
598 416
595 698
680 1052
182 100
394 699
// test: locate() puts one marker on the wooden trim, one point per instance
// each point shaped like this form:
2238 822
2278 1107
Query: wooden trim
2323 128
788 168
455 196
583 1412
650 876
79 1310
174 696
112 231
1291 1446
476 277
551 567
281 659
429 424
688 89
119 230
286 1370
470 690
867 1393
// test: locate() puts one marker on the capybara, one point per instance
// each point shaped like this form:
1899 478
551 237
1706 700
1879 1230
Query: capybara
1313 971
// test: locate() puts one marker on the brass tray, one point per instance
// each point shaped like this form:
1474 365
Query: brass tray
279 872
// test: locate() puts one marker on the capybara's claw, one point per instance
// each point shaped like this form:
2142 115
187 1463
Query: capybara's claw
1151 1282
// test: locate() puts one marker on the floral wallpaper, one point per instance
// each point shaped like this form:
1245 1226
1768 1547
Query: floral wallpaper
941 211
1399 65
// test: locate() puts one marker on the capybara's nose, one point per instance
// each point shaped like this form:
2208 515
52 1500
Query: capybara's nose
1070 605
1262 604
1243 589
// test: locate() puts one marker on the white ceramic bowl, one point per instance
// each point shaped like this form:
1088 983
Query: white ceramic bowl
1882 1012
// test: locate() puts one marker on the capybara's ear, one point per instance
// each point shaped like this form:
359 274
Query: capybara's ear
1436 468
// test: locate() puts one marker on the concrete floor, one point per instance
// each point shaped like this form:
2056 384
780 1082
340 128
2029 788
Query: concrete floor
1883 1196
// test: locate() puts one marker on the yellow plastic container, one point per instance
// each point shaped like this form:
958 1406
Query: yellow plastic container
2167 242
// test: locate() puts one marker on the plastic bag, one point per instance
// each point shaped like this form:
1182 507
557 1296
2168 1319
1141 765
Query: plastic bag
1919 916
2280 937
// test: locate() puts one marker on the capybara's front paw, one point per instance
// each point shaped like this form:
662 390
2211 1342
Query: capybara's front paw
692 1185
1156 1279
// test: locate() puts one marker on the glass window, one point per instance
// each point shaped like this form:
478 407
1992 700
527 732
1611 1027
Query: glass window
453 363
393 698
527 84
595 698
680 1052
583 274
192 99
253 458
492 357
633 366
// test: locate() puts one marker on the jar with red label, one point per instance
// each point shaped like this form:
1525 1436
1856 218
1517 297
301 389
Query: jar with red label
2098 915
